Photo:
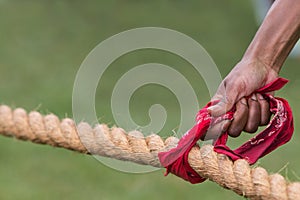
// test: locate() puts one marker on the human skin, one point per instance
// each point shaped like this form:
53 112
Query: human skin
259 66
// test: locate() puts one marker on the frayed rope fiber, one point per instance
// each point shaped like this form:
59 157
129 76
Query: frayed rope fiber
278 132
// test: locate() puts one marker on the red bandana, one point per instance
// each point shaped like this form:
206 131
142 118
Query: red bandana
278 132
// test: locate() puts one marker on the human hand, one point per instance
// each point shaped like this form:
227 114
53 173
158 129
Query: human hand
252 110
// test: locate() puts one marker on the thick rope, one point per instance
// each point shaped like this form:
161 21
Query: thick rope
254 183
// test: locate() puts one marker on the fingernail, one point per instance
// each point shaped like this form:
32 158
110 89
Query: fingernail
260 97
253 97
214 110
244 101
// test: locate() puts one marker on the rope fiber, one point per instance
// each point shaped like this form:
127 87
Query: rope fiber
253 183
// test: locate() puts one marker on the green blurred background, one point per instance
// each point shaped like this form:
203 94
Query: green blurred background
42 46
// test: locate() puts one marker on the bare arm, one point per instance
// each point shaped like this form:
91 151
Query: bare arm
277 35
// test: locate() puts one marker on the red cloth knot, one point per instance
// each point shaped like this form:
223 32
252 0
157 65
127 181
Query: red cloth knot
278 132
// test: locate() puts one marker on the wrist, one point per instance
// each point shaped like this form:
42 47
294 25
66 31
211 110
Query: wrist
263 60
259 68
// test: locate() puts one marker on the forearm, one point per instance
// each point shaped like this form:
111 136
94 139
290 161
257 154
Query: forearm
277 35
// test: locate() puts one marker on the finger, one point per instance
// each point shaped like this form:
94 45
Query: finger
239 118
265 110
219 109
216 130
222 107
254 115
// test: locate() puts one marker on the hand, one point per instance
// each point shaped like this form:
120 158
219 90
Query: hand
251 111
249 115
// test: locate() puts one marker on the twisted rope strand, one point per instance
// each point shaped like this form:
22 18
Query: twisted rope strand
254 183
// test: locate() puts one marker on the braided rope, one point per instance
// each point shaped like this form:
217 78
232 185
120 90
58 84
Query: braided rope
254 183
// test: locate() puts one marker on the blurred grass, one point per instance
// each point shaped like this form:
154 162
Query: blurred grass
42 46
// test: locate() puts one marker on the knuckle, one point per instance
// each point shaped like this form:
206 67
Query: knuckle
234 133
234 130
251 128
265 121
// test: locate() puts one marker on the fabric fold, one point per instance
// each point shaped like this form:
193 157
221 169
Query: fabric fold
278 132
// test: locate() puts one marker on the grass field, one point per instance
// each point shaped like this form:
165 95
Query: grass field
42 46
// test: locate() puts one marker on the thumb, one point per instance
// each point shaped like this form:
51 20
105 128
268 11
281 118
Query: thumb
220 108
227 95
226 102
